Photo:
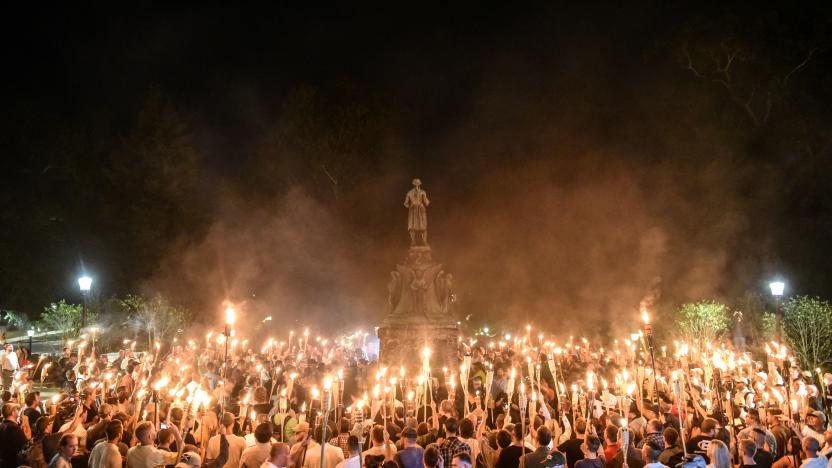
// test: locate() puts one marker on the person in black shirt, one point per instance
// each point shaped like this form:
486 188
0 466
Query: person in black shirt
672 454
698 445
572 447
780 431
510 456
31 412
763 458
747 450
593 443
12 436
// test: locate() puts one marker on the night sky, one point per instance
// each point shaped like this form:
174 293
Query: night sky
581 161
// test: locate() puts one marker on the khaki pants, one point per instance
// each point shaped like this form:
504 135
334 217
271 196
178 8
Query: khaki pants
7 379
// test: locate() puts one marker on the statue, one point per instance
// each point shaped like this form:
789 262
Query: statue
420 298
417 219
394 288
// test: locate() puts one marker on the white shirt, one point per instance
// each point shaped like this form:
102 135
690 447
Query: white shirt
332 456
817 462
9 361
105 455
352 462
809 432
236 445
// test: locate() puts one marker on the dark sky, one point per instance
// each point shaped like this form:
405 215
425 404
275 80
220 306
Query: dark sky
574 163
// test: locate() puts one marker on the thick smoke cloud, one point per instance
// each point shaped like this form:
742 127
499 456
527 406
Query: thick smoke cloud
570 190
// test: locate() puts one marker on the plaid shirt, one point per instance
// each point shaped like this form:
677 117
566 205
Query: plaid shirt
342 441
452 446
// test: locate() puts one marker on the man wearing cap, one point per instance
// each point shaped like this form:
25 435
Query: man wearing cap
411 455
815 424
300 432
189 460
12 436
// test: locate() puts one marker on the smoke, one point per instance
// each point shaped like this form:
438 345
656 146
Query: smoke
567 193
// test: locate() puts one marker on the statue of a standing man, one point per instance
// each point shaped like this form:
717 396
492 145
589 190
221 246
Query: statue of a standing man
417 219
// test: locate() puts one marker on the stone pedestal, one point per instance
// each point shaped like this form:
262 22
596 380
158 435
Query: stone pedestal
420 313
403 345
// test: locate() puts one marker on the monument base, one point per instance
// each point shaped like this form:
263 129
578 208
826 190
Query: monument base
403 345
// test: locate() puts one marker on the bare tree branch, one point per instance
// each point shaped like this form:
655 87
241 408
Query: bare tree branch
332 179
799 66
690 63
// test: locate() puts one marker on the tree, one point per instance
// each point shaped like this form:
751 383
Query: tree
757 322
17 320
156 317
328 139
704 320
807 325
64 318
156 168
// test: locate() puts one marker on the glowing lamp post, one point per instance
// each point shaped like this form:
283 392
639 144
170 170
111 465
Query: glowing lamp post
777 288
85 284
648 333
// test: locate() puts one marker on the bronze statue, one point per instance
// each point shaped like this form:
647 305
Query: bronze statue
417 219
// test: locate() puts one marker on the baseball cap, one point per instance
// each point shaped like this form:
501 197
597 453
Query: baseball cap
818 414
189 459
554 459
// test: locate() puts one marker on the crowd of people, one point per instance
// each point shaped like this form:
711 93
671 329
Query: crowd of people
504 403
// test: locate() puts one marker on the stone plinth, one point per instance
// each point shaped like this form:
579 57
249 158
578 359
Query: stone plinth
403 345
420 313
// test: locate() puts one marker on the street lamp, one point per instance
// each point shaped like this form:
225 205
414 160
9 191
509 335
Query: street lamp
85 283
777 288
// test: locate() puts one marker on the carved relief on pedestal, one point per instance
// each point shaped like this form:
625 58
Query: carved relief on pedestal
419 290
